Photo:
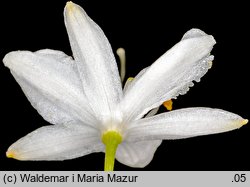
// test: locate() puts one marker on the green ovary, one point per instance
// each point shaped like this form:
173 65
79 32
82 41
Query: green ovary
111 139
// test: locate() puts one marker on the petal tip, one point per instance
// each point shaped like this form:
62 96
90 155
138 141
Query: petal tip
6 58
10 154
73 13
244 122
69 6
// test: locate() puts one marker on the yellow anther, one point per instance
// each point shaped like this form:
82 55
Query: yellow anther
130 79
127 83
168 104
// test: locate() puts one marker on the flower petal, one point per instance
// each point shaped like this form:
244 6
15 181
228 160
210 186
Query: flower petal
172 74
137 154
57 142
50 81
184 123
96 62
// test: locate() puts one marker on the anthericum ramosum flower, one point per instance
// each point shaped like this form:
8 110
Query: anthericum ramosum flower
84 100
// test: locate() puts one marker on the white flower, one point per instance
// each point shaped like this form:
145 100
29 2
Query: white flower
83 98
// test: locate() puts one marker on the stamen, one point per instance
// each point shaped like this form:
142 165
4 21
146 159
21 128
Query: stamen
121 53
130 79
127 83
168 104
152 112
111 139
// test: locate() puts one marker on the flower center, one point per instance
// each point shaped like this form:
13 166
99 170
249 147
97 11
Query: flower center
111 139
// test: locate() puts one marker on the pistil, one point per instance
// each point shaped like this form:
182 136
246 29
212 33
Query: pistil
111 139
